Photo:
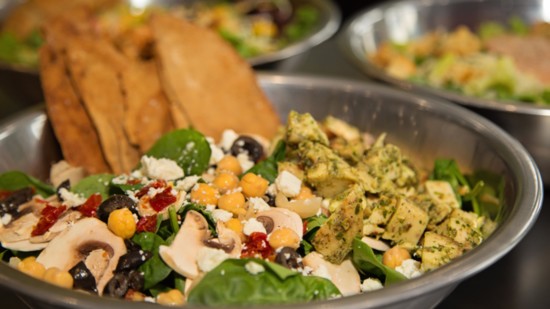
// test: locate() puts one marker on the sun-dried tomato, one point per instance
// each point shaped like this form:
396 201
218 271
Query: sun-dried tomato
147 224
257 246
49 216
157 184
4 194
89 208
162 200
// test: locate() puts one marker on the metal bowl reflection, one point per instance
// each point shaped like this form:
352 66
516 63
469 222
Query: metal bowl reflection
404 20
424 128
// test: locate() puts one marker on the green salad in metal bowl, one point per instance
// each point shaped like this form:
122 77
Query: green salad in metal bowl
495 61
254 28
322 211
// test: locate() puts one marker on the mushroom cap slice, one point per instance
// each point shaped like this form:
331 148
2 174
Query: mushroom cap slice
181 255
344 275
283 217
75 244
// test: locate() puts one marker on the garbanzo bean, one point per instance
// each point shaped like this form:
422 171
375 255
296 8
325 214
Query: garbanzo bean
225 181
233 202
253 185
31 267
236 225
122 223
284 237
58 277
173 297
230 164
305 193
204 194
395 256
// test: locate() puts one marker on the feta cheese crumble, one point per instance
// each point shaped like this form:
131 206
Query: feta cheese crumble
371 284
208 258
221 215
160 168
254 268
252 225
258 204
71 199
288 184
410 268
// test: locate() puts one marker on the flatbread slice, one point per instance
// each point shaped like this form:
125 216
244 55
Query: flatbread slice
72 125
206 78
94 66
147 107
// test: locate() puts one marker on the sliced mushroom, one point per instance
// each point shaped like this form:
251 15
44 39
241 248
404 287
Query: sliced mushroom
181 255
62 171
24 246
228 240
375 243
21 226
304 208
77 243
64 222
344 276
282 217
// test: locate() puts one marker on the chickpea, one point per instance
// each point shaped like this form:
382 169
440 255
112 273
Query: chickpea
122 223
173 297
254 185
233 202
204 194
134 295
230 164
305 193
31 267
225 182
395 256
284 237
236 225
58 277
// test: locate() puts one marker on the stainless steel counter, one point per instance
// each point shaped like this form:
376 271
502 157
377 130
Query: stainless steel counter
519 280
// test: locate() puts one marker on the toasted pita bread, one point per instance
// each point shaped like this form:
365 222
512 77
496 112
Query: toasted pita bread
209 82
147 108
94 66
73 127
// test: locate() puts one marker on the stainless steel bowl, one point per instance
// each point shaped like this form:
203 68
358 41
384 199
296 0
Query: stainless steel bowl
424 128
403 20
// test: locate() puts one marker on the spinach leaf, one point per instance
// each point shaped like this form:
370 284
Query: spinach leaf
15 180
275 285
202 210
312 225
490 196
99 183
367 263
448 170
187 147
154 270
268 167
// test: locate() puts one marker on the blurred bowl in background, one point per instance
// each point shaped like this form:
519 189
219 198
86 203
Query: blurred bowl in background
404 20
22 83
424 128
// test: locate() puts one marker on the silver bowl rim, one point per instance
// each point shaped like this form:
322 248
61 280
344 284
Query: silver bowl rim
324 30
348 35
510 232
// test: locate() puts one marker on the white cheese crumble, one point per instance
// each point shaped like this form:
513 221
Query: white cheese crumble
410 268
258 204
186 183
216 152
6 219
371 284
254 268
228 138
221 215
160 168
288 184
245 161
208 258
252 225
71 199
